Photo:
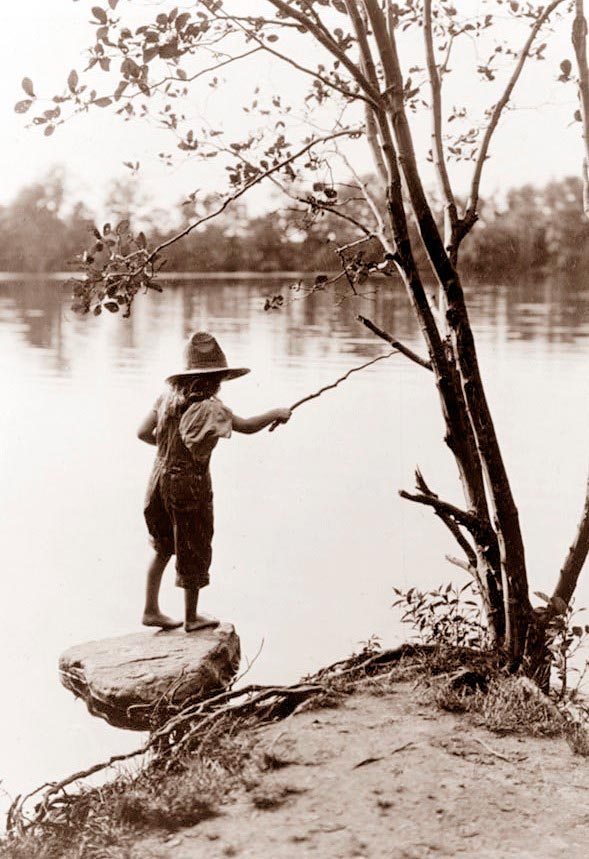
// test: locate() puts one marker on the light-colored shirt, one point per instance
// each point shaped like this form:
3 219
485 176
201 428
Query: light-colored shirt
203 424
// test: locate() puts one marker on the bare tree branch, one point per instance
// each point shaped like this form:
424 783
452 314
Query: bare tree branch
468 568
439 157
479 565
324 38
443 508
447 513
579 40
381 229
404 350
470 215
576 557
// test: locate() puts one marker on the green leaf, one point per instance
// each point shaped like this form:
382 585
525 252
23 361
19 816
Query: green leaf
72 80
542 596
122 227
102 102
113 4
27 85
49 130
23 106
99 14
566 67
111 306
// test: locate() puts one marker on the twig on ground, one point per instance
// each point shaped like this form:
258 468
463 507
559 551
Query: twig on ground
494 752
402 748
365 762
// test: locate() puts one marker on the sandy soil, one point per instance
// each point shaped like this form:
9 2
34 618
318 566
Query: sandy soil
389 777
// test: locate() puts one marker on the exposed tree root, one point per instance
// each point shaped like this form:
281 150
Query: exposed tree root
192 727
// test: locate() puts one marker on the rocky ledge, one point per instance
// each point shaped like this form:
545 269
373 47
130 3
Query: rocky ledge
136 681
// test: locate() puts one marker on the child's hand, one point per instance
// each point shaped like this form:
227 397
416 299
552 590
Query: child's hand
281 416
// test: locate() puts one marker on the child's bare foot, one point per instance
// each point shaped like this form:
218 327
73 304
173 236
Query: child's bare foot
201 621
159 619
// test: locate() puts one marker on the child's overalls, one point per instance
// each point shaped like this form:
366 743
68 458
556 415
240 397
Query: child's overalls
179 501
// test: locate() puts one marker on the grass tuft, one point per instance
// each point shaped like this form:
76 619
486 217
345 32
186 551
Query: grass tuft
515 705
577 736
102 823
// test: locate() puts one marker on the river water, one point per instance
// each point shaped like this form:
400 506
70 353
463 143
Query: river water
311 535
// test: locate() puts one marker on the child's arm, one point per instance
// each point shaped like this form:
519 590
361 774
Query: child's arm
146 430
258 422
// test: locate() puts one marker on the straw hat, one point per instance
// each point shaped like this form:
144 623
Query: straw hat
202 357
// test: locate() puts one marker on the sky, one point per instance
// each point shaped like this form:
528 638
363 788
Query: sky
43 39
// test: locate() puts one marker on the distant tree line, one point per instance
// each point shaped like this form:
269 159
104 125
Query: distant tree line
534 231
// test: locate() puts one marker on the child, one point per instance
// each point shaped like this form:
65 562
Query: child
185 424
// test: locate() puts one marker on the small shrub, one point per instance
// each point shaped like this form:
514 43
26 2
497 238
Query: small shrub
446 616
565 637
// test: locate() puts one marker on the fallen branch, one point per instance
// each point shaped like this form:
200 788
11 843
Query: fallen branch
493 752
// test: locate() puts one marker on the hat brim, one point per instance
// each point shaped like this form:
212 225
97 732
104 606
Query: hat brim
224 373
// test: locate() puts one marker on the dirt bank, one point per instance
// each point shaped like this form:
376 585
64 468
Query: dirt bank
390 776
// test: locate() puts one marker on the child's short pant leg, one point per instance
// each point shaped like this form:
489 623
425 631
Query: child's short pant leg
193 534
179 517
159 523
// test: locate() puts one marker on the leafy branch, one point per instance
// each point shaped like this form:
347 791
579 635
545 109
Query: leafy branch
118 266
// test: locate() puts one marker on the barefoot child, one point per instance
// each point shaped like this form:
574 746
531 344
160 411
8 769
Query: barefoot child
185 424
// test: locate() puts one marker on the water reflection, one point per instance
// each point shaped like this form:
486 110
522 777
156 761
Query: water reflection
551 311
310 534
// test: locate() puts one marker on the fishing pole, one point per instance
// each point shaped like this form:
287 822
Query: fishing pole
333 385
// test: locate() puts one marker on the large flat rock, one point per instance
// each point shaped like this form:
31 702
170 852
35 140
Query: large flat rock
136 681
